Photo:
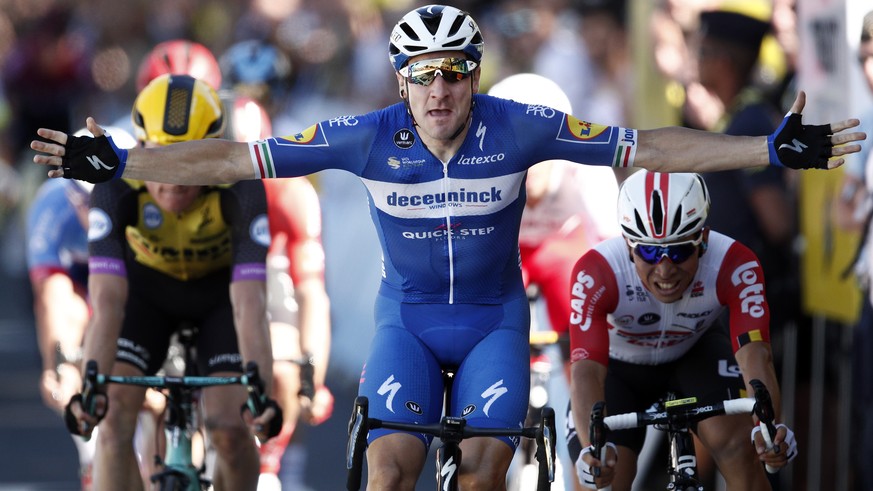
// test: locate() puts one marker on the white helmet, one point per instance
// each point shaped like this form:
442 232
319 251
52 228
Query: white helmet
434 28
530 88
658 208
121 138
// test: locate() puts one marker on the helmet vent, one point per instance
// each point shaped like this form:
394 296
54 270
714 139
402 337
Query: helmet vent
689 227
178 108
410 32
677 220
456 25
630 231
640 224
433 23
657 214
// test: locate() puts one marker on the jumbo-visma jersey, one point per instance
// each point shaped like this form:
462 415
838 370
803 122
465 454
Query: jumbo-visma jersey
225 227
448 230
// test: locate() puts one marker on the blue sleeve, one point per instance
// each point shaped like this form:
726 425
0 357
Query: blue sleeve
543 133
340 143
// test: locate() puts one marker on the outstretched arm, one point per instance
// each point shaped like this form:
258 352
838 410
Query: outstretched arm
675 149
195 162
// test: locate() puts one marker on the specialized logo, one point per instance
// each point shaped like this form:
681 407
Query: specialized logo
480 134
259 230
448 470
97 163
152 217
414 407
752 296
404 138
99 224
492 394
796 146
389 387
584 281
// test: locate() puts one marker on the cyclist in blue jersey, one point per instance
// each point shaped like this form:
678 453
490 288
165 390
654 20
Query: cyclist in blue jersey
445 172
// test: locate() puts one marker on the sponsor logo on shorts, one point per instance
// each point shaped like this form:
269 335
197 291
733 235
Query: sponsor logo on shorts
414 407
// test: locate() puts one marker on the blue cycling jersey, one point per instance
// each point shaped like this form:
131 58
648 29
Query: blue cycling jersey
56 239
448 230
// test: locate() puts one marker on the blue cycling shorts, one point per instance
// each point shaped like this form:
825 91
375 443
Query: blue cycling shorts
486 345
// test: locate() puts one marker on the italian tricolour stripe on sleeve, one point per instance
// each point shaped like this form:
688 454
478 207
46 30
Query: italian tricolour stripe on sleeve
262 159
626 148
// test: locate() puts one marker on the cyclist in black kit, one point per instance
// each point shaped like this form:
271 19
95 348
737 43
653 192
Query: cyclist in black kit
162 255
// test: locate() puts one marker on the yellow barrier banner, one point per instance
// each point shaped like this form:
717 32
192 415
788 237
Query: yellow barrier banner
828 250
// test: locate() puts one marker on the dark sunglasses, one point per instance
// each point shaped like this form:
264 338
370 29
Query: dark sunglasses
677 252
452 70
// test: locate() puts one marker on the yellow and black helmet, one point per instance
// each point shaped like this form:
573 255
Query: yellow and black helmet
176 108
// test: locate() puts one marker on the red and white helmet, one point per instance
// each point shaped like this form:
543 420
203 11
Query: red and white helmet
658 208
179 57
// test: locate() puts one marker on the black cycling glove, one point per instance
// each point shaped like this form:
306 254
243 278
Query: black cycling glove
800 146
275 422
72 423
92 159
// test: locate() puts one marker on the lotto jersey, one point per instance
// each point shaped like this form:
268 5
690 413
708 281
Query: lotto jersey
614 316
448 230
56 239
224 227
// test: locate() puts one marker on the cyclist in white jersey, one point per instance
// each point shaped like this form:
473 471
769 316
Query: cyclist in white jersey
445 173
645 308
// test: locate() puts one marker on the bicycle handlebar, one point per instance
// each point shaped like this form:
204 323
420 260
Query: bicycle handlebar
257 400
678 414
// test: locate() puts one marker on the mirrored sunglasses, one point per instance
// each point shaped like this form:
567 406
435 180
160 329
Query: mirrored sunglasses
677 252
451 69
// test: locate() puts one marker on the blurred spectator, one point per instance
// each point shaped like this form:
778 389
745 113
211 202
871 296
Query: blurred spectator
854 211
762 211
46 71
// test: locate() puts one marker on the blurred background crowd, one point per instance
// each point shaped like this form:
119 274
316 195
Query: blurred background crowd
635 63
